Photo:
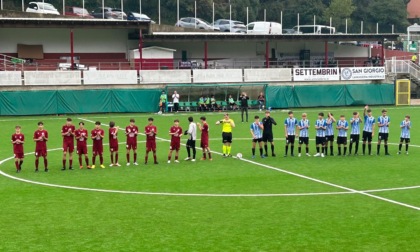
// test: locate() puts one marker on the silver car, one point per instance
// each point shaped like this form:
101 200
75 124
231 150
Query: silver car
226 25
195 23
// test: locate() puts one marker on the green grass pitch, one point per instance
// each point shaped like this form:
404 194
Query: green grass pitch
272 204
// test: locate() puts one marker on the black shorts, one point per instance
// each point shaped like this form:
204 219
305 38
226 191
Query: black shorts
320 140
383 136
227 137
406 140
367 136
342 140
290 139
304 140
354 138
268 137
191 143
329 138
259 140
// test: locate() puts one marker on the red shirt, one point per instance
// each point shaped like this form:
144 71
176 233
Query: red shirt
148 129
97 134
113 139
81 136
175 138
131 133
69 130
43 143
18 147
205 132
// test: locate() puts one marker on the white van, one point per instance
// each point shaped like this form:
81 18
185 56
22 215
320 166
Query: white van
314 29
264 28
40 7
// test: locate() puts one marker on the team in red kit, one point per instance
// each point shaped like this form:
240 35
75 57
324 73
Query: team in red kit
78 138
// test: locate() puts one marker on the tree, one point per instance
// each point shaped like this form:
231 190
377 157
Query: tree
339 11
386 14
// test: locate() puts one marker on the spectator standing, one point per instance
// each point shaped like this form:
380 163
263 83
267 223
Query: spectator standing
175 101
244 105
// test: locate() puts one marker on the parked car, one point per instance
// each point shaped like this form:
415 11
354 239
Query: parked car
40 7
289 31
110 13
77 12
195 23
226 25
264 28
139 17
314 29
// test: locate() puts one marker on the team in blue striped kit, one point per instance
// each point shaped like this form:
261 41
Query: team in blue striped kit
351 130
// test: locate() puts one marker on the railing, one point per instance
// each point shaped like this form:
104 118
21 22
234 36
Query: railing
403 67
9 64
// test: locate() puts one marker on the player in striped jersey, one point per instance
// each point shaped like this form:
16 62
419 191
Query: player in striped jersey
383 124
320 127
329 134
257 133
342 126
355 132
368 129
303 126
405 134
290 132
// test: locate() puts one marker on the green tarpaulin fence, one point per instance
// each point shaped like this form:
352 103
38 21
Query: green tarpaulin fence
329 95
78 101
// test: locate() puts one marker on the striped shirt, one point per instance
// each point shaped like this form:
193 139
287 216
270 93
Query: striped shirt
405 129
369 122
290 124
321 125
342 132
256 130
385 120
330 128
355 130
303 126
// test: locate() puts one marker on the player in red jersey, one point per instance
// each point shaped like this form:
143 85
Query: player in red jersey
67 132
175 132
131 132
81 135
18 139
151 131
97 134
113 143
204 128
41 138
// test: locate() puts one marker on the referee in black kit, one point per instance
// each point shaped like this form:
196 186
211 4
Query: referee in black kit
268 132
244 105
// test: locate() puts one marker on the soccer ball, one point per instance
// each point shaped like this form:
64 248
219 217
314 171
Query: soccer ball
239 155
160 112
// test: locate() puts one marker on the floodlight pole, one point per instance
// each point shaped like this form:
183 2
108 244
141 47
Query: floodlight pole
213 16
265 15
64 6
23 5
122 9
314 24
195 14
177 10
346 25
159 10
140 6
230 18
83 6
1 4
247 19
103 9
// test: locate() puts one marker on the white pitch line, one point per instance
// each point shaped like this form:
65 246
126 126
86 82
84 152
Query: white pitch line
323 182
348 190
